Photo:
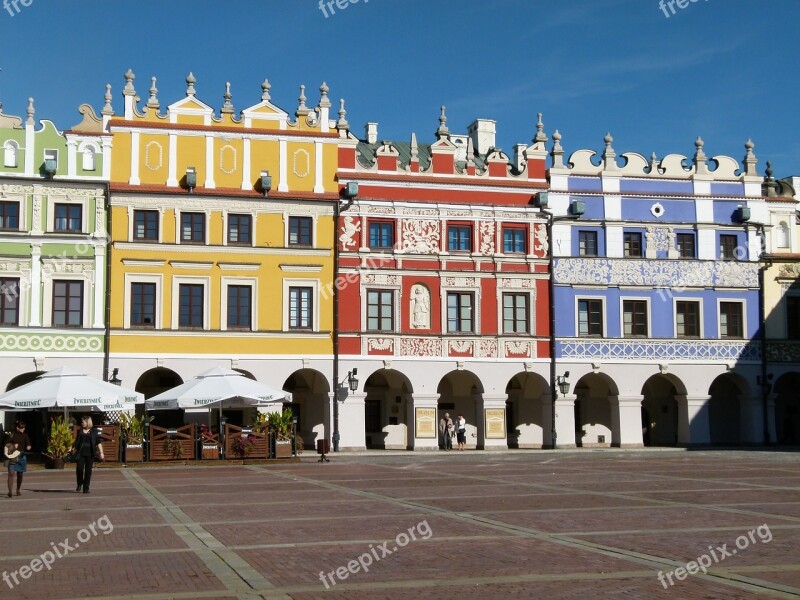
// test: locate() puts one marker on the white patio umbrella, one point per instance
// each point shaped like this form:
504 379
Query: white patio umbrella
67 388
216 388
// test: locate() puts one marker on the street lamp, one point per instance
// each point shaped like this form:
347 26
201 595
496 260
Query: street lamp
145 437
114 379
223 420
294 435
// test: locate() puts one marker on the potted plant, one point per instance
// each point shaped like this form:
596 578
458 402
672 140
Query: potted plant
243 445
133 435
59 442
281 429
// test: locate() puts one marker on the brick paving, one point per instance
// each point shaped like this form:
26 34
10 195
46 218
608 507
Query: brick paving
564 524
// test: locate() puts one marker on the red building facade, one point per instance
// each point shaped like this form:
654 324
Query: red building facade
443 290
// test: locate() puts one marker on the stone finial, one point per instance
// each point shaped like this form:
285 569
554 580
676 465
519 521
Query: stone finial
750 159
443 130
227 106
107 109
152 102
654 164
324 101
266 86
470 153
770 185
541 136
302 109
31 112
129 90
342 123
557 154
700 157
609 155
190 81
414 148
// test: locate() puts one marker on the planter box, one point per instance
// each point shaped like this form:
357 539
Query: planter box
134 453
210 451
283 449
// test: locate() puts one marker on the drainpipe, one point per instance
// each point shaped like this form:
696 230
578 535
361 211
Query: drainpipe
766 263
106 353
551 293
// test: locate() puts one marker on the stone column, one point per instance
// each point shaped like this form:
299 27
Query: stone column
428 403
626 421
493 404
693 422
352 423
565 421
751 420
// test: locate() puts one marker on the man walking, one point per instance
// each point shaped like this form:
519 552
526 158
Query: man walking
446 430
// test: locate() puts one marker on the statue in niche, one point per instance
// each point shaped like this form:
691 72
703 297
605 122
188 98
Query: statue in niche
420 307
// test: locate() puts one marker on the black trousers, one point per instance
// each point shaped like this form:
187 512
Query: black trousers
84 471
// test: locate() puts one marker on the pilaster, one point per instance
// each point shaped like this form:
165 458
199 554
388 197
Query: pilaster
626 421
565 421
352 423
419 421
492 410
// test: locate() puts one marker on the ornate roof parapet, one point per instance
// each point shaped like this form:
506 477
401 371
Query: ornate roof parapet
498 162
535 157
90 123
9 121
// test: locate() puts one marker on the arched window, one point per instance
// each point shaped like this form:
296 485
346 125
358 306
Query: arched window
10 154
89 159
782 235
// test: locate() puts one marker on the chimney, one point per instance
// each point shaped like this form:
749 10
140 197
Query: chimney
519 156
371 131
482 132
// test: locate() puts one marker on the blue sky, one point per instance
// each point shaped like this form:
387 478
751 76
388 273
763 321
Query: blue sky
722 69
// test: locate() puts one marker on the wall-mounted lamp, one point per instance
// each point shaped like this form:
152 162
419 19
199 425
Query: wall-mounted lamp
266 183
352 380
766 386
563 384
50 167
541 200
351 189
191 178
577 208
114 379
743 214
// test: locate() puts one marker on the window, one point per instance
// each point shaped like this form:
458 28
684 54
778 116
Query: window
587 243
634 318
11 154
300 308
145 225
514 240
793 317
727 247
459 238
731 320
632 244
515 313
687 319
9 215
67 303
68 217
240 229
782 235
9 301
459 312
143 305
89 159
191 309
299 231
193 227
239 306
590 318
381 235
380 310
685 245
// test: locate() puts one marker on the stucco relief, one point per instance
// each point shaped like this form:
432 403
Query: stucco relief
736 274
486 234
541 243
518 348
350 228
516 284
487 348
659 239
420 236
463 282
462 346
420 307
380 344
420 347
381 279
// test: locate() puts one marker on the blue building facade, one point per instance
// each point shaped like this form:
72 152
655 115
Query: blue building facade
656 296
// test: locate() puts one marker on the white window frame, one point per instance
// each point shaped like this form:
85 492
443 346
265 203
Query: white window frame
501 309
366 289
252 283
314 227
132 223
51 214
22 211
23 297
131 278
675 301
603 304
648 305
225 214
49 280
290 283
176 300
178 234
743 304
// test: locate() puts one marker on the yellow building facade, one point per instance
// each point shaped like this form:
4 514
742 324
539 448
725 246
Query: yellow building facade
222 243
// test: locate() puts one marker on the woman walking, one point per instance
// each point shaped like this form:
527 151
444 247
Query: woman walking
22 443
89 449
